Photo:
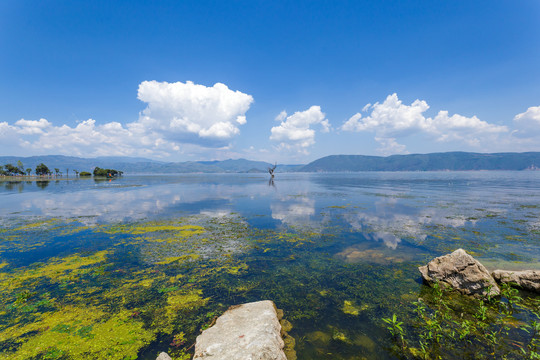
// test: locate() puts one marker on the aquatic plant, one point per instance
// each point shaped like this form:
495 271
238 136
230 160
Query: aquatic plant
448 325
396 328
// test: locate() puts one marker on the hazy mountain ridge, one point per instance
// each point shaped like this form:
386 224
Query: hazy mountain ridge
452 161
142 166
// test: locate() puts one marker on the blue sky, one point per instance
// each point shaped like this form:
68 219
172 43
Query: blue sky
268 80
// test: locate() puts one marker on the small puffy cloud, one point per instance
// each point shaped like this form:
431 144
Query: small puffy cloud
392 119
281 116
389 146
179 117
295 132
532 113
528 123
189 112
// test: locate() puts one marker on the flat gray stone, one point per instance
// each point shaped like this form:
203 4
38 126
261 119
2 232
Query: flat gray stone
163 356
244 332
460 271
526 279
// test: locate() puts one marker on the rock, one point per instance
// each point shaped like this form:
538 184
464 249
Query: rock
290 344
526 279
247 331
319 338
365 342
286 326
289 341
163 356
460 271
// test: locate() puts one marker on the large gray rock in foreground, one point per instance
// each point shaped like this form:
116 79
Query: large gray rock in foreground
244 332
527 279
460 271
163 356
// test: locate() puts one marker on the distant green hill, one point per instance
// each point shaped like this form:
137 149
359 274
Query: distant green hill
453 161
143 166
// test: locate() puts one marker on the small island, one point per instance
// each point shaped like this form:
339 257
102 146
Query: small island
108 173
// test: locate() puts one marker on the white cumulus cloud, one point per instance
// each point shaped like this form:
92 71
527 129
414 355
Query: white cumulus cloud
528 123
532 113
392 119
295 132
189 112
178 117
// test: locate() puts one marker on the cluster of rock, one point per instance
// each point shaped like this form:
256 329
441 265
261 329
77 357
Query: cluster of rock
254 331
464 273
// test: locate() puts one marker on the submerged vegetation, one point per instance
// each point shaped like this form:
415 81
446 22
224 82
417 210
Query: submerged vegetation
154 284
101 305
447 325
346 278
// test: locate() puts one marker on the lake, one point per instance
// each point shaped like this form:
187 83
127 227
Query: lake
125 268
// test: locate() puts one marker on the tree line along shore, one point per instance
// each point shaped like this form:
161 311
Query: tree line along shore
41 170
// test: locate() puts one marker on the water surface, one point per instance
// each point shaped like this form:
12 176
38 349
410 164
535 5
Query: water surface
158 257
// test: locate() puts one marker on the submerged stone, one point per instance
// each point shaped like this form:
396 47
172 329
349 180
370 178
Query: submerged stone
286 326
319 338
163 356
289 349
461 272
526 279
365 342
247 331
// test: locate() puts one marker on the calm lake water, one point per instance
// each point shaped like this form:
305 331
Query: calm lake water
124 268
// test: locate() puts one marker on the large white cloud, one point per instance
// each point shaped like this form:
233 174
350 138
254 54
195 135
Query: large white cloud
392 119
191 112
179 117
295 132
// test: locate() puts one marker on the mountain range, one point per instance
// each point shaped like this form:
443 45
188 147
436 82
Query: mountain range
131 165
450 161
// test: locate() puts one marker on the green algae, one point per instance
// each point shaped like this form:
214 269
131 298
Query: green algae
173 259
33 235
350 308
164 278
130 306
79 333
57 270
31 226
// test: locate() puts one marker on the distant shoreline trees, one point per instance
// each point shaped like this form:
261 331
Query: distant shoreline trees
109 173
10 170
43 170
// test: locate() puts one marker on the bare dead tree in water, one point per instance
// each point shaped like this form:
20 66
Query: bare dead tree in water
271 170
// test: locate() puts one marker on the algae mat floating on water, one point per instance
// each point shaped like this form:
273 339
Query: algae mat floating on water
111 303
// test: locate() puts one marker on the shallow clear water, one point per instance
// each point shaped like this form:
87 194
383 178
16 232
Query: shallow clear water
336 252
